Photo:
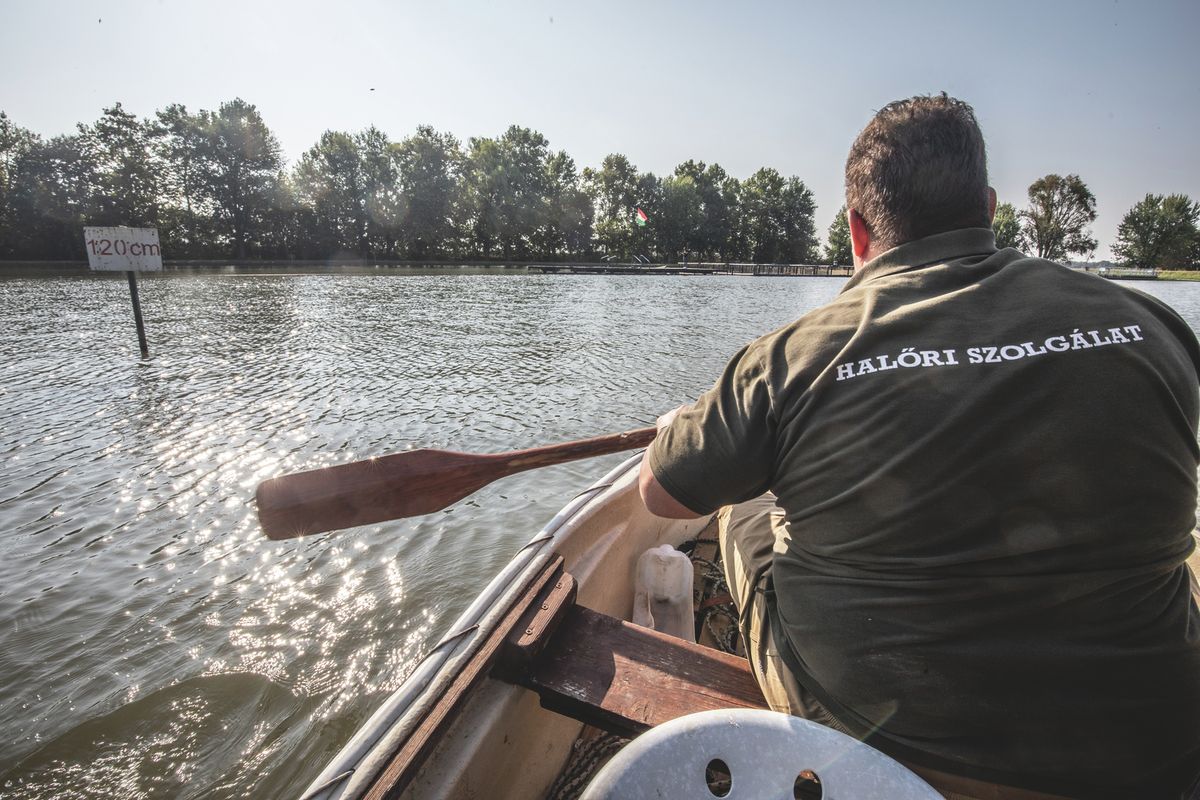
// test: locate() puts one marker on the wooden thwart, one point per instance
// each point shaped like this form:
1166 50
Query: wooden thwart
615 675
626 679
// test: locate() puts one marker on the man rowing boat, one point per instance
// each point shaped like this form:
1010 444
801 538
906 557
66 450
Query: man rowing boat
956 502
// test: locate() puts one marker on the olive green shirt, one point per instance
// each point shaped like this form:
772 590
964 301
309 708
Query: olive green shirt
988 466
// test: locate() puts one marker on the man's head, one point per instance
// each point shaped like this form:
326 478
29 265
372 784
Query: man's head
918 168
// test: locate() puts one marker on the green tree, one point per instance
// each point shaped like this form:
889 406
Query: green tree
1056 223
837 245
380 197
800 233
650 197
506 186
1007 226
15 144
287 225
1160 233
525 209
567 226
777 217
429 165
127 177
737 243
51 199
718 195
614 191
238 174
762 196
484 183
680 219
329 180
184 218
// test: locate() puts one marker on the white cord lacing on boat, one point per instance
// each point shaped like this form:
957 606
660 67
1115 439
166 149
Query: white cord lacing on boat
450 637
592 490
543 538
328 784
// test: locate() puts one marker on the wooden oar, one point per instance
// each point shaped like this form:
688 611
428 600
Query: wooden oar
407 484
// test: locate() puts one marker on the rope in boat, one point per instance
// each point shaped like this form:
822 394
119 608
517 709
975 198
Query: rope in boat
588 755
715 611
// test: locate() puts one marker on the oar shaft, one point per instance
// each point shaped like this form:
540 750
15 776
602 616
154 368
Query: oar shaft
551 454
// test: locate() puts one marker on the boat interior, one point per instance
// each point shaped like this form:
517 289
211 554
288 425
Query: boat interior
544 676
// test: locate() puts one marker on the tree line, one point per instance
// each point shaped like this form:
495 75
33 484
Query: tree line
1159 232
216 186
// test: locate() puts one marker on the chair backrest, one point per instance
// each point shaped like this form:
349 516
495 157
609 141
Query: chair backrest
765 755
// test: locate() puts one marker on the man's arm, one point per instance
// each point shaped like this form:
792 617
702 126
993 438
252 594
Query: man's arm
658 500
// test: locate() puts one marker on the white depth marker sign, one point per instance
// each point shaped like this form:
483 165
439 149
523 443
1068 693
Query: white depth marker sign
123 249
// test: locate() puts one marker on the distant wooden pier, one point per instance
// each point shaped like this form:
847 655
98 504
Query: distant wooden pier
790 270
625 269
707 268
1128 274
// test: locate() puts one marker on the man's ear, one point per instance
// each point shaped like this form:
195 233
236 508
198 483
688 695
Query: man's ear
991 205
860 236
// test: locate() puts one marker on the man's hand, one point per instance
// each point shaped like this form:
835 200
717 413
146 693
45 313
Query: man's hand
657 499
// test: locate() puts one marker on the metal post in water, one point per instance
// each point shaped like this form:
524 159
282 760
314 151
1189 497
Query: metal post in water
137 311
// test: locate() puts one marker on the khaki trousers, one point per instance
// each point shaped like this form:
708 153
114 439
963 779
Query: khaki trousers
749 535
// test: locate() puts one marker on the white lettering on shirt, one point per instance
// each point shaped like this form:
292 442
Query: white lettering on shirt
911 358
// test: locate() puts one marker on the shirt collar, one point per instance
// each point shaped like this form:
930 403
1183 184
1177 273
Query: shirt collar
936 249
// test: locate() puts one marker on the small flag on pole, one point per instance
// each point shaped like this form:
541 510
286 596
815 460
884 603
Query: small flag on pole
641 218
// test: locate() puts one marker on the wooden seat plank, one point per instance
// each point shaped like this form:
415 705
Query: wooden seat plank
626 679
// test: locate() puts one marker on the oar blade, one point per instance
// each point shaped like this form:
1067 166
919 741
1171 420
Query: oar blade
367 492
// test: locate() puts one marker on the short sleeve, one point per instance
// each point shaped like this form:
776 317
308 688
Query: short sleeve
722 450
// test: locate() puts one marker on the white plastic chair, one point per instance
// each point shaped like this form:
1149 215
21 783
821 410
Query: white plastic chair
764 753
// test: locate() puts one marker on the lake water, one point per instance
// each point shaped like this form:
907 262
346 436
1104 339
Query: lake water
152 642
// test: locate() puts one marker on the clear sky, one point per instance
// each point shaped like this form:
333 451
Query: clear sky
1108 89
